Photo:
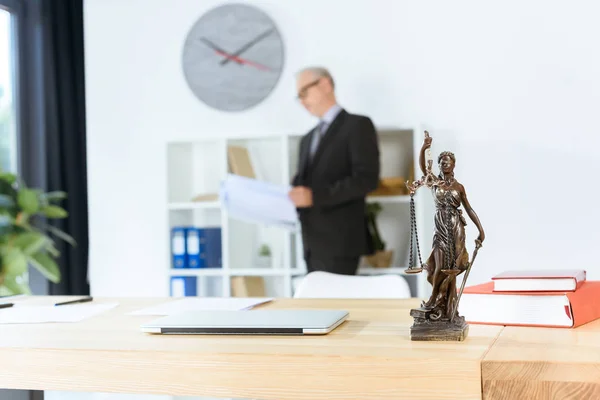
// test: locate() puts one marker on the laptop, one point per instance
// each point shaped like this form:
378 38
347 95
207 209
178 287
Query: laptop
248 322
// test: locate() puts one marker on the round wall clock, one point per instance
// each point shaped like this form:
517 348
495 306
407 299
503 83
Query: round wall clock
233 57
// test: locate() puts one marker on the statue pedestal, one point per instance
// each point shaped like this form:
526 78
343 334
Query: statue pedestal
425 328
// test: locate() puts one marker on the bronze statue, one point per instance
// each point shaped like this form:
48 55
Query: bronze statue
437 318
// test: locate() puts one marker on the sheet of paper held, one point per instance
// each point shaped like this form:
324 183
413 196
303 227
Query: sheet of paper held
202 303
256 201
26 314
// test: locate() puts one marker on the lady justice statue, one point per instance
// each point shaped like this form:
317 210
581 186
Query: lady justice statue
437 318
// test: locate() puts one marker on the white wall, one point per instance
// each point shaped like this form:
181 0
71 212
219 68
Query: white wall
513 88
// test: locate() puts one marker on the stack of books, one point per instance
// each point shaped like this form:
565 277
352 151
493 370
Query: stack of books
549 298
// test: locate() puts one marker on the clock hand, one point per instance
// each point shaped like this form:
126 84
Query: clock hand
231 57
249 44
248 62
217 49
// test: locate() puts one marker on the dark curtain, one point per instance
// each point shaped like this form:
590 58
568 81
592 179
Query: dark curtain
52 125
64 87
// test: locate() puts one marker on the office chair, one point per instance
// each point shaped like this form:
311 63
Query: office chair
321 284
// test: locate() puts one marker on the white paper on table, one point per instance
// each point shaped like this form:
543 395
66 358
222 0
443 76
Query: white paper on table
252 200
24 314
202 303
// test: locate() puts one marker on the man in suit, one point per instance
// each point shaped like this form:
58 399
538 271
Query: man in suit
338 166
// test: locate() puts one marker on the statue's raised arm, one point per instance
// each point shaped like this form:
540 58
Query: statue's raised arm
425 163
422 156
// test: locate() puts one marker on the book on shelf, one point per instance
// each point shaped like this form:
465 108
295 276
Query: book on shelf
183 286
178 244
390 186
480 304
195 247
248 286
539 280
240 162
206 197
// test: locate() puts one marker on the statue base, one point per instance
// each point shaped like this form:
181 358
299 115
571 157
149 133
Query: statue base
427 328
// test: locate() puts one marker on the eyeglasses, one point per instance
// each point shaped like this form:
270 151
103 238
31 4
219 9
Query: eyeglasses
304 91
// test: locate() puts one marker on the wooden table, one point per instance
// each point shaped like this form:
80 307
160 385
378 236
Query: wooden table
368 357
544 363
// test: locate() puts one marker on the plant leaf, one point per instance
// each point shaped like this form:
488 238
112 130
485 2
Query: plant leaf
7 185
52 250
28 200
16 285
62 235
22 220
53 196
52 211
46 265
14 261
8 177
6 220
4 291
6 201
31 242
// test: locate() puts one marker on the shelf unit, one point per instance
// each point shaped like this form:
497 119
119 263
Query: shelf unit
197 167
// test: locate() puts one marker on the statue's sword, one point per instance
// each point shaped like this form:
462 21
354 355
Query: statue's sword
462 285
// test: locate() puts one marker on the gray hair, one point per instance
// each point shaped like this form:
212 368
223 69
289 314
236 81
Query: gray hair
319 72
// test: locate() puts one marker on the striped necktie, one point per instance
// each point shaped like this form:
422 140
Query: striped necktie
318 134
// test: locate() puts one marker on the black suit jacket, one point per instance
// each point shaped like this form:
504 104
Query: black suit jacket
344 168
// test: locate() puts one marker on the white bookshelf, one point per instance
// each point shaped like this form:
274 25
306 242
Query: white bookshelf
197 167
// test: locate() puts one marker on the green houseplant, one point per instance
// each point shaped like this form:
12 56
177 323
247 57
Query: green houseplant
26 239
373 210
381 258
264 256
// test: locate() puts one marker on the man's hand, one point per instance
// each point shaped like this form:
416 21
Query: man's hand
301 196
